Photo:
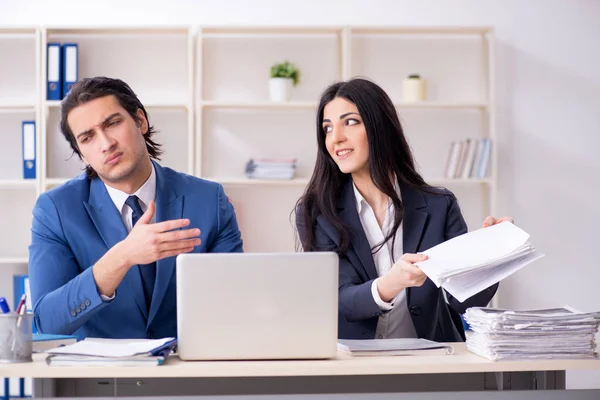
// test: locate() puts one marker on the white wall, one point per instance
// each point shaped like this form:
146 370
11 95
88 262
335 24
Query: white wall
548 103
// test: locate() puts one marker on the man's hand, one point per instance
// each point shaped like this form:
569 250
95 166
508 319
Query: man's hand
403 274
145 244
148 242
489 221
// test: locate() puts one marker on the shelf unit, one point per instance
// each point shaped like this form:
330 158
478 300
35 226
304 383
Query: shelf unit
163 84
20 81
206 91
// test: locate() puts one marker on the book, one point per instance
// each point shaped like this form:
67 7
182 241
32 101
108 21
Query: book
71 360
393 347
43 341
112 352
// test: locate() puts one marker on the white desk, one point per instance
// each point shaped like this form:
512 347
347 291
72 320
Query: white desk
460 372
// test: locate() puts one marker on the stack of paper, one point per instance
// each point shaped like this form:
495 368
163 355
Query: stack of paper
474 261
558 333
271 169
392 347
113 352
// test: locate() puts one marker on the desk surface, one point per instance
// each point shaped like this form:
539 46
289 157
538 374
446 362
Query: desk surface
461 361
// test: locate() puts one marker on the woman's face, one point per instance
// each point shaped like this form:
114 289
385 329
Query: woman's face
346 136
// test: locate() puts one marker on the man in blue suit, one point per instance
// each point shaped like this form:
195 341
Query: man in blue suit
103 248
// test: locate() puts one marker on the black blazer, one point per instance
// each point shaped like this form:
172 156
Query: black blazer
429 219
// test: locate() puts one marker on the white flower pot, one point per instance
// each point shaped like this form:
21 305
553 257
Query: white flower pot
413 90
280 89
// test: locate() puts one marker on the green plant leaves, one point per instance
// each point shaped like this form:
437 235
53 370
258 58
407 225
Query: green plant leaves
286 70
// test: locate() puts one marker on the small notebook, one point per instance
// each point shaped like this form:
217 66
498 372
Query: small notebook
393 347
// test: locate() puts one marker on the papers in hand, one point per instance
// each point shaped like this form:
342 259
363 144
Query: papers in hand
392 347
474 261
556 333
92 351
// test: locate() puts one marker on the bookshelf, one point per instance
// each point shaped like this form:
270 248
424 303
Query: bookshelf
20 81
206 91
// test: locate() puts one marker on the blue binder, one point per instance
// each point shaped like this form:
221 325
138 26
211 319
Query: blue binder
53 72
70 66
28 136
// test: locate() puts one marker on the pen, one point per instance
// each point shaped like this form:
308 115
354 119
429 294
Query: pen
21 313
4 305
21 302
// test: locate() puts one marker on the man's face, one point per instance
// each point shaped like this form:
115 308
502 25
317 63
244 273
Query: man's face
109 139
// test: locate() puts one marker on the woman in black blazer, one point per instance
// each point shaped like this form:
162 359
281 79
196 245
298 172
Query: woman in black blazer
367 202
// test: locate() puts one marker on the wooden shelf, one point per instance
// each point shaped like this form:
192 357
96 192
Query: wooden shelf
17 105
441 105
422 30
17 184
253 182
55 181
460 181
14 260
116 30
304 31
260 104
147 104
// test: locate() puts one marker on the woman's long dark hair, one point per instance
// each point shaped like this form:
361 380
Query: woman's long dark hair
389 155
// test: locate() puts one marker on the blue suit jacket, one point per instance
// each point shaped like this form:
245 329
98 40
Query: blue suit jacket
75 224
429 219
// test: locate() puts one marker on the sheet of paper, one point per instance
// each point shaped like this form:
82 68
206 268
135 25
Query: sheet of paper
473 249
466 286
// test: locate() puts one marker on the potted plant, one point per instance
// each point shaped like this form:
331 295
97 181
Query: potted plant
413 89
284 76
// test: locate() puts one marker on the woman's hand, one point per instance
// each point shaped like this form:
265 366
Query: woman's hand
403 274
489 221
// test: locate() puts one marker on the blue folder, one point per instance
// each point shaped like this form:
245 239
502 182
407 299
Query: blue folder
28 137
54 72
70 66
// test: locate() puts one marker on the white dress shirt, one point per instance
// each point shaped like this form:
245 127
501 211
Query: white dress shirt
145 194
397 322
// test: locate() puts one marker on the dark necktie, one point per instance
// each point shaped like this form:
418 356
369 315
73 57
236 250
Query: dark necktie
148 271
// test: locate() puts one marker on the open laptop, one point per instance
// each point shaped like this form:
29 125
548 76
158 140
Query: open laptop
250 306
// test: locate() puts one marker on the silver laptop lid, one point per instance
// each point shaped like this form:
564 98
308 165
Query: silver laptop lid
257 305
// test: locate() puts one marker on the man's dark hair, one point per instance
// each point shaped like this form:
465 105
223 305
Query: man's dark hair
88 89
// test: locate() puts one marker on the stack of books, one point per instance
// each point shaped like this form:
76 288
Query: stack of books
556 333
271 169
469 159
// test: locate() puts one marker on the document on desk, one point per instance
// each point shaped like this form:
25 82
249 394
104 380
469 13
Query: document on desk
392 347
474 261
112 352
115 348
554 333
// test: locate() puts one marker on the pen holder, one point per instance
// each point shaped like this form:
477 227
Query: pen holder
15 337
